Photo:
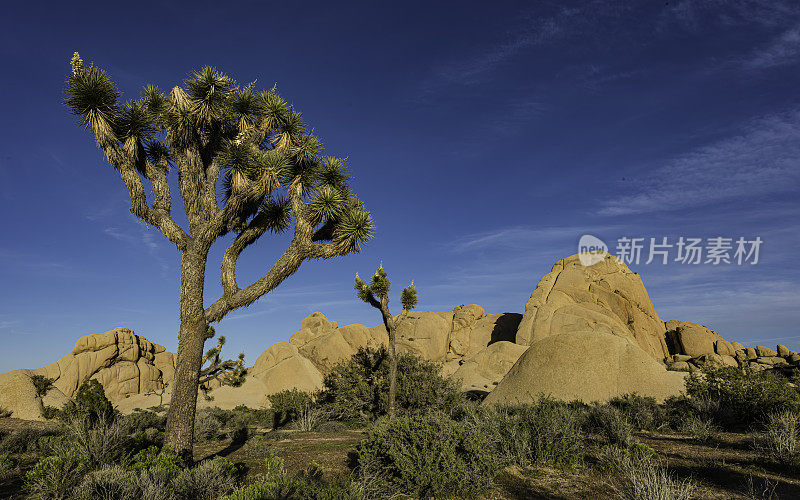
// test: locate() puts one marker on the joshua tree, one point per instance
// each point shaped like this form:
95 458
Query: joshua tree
376 294
228 372
272 175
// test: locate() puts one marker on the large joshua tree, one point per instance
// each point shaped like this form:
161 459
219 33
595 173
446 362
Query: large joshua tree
376 294
268 167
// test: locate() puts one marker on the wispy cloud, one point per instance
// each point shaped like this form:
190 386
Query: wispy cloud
473 69
763 159
785 49
143 236
34 263
523 238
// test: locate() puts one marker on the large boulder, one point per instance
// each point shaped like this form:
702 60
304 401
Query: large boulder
482 371
282 367
696 340
424 333
588 366
325 345
124 363
603 298
472 332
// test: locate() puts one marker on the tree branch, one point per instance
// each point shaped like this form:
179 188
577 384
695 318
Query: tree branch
254 230
299 249
159 216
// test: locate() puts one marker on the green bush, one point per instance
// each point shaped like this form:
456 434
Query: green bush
25 439
359 387
611 423
239 429
287 405
90 403
208 424
428 455
7 462
547 432
210 480
42 384
164 461
140 420
50 412
742 398
100 442
701 429
643 412
55 476
781 438
109 483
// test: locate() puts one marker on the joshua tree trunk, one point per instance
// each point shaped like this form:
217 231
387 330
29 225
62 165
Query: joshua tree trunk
191 340
390 328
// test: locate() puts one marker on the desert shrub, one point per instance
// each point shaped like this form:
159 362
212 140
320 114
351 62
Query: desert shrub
429 455
239 431
253 416
744 397
207 424
645 480
154 484
5 412
781 437
100 442
161 462
701 429
547 432
25 439
273 466
359 387
109 483
257 447
55 476
611 423
90 403
613 457
140 420
276 489
42 384
643 412
7 462
310 418
208 481
287 405
49 412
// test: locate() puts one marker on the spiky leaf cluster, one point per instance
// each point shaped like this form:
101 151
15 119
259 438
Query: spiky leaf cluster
226 372
260 144
409 297
377 290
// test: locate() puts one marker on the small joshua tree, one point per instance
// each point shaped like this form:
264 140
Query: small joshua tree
376 294
228 372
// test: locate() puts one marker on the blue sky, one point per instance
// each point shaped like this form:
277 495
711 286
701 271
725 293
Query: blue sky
485 138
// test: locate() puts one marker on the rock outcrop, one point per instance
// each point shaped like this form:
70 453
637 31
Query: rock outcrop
124 363
603 298
482 371
588 332
588 366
